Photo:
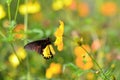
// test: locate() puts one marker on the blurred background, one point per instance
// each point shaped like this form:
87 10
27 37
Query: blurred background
97 22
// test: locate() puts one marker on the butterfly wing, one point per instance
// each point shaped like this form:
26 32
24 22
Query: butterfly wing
48 52
43 47
35 46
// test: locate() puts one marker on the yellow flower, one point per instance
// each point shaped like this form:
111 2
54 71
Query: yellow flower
60 4
83 60
49 74
29 8
90 76
59 36
21 53
67 2
55 68
13 58
57 5
79 51
2 12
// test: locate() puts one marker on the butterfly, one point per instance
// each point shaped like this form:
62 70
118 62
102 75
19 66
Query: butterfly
43 47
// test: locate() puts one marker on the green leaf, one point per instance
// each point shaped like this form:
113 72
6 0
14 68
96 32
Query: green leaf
79 72
71 66
10 38
109 72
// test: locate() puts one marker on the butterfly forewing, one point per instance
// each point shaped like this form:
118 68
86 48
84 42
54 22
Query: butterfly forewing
35 46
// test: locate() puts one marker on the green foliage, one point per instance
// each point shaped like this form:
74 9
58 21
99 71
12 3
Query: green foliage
43 24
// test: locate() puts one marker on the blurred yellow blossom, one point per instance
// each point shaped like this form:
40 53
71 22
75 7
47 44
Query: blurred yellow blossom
83 60
48 73
18 30
67 2
30 8
55 68
79 51
59 36
13 58
2 12
90 76
57 5
21 53
60 4
108 8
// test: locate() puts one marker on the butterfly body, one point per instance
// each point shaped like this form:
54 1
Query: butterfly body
43 47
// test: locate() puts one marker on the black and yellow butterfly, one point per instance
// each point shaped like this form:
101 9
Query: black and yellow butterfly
43 47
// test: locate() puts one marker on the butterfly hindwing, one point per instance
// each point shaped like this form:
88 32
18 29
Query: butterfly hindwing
48 51
43 47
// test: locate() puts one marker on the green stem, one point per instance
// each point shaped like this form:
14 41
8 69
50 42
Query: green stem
15 51
96 63
2 35
25 30
11 46
9 14
16 10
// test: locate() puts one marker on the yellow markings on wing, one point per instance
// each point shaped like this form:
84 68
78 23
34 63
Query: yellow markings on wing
48 51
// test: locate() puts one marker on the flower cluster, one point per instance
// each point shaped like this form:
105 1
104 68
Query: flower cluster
54 69
60 4
29 8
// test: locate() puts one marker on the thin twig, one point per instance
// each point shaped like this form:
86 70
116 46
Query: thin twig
2 35
15 52
9 14
16 10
